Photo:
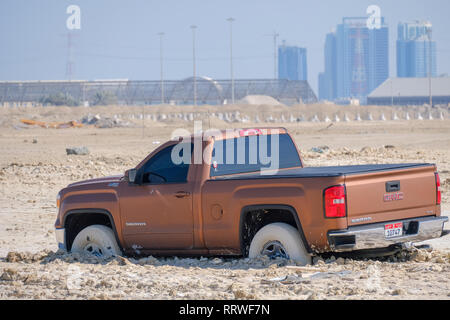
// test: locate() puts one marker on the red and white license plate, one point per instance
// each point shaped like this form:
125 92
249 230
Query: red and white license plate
393 230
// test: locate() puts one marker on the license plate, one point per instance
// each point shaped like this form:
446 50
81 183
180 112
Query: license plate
393 230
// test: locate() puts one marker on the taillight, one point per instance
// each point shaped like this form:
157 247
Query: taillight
438 189
334 202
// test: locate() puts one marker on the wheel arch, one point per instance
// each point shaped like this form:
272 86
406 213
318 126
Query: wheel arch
285 209
79 215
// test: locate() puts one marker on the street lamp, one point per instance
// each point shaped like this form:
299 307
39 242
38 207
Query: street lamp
275 36
161 34
231 58
430 68
193 27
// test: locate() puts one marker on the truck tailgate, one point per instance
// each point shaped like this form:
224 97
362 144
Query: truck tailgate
389 195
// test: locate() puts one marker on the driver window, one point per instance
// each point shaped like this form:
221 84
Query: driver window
161 169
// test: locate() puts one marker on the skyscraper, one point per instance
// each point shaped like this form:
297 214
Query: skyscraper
292 63
327 79
415 50
356 60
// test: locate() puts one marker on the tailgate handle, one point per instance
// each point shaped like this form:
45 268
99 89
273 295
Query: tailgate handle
392 186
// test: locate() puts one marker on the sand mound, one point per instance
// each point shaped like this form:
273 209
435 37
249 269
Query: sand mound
260 100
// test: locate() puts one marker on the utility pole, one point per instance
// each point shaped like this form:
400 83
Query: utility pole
193 27
70 63
161 34
275 36
231 59
430 68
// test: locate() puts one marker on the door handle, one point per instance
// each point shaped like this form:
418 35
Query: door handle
182 194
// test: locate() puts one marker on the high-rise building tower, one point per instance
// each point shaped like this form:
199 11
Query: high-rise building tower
292 63
416 50
362 57
356 60
327 79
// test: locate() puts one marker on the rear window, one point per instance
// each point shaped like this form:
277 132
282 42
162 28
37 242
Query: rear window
253 153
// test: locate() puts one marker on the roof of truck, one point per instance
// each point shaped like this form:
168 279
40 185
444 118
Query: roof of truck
232 133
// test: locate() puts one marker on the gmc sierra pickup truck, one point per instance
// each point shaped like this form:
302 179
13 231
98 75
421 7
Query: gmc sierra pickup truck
222 195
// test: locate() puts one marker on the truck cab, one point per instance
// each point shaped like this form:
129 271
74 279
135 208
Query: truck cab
244 193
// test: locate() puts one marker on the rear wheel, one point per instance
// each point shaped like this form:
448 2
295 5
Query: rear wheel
97 240
279 240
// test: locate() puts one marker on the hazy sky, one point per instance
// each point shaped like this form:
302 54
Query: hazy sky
118 39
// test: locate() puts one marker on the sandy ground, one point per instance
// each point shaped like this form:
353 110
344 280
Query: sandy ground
34 167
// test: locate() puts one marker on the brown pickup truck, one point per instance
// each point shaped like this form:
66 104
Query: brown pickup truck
247 193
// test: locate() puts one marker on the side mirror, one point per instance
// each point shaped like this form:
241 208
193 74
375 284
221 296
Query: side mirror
131 175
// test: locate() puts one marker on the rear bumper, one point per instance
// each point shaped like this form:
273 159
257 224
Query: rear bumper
373 236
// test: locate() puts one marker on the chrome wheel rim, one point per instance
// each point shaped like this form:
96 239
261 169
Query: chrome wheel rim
274 249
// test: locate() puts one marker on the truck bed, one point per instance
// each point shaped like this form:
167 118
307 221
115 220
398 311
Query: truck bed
335 171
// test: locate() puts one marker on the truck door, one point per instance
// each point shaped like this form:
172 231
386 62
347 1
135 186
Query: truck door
157 214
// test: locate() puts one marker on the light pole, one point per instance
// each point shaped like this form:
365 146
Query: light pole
161 34
193 27
275 36
430 68
231 58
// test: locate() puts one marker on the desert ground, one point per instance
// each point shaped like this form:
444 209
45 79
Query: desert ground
34 166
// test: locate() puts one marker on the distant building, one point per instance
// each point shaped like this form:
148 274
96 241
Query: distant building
415 50
328 79
356 60
411 91
292 63
142 92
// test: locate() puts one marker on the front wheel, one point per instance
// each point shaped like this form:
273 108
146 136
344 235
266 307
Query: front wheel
97 240
279 240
